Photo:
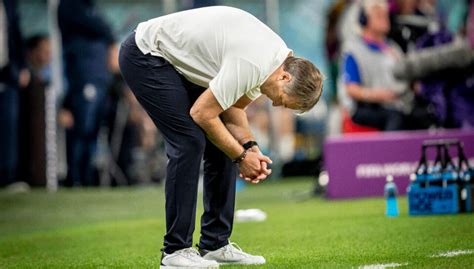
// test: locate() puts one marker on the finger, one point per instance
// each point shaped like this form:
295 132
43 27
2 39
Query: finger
264 158
259 177
265 169
252 176
267 172
262 176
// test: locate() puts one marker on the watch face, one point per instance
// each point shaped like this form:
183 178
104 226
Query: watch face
250 144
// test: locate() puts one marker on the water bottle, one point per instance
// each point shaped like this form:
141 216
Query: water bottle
390 192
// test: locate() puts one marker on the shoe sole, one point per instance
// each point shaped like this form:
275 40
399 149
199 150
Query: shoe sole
241 263
181 267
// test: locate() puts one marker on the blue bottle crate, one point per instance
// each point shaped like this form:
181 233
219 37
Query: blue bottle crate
433 199
468 202
444 186
467 190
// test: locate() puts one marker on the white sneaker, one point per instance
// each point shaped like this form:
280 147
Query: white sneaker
185 259
231 254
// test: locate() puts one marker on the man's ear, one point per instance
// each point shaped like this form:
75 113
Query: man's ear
285 76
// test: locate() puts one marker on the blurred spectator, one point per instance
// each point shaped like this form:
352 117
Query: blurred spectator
348 26
427 7
282 125
408 22
259 120
470 24
340 22
333 42
372 95
453 14
32 150
130 136
39 57
203 3
444 65
87 42
13 76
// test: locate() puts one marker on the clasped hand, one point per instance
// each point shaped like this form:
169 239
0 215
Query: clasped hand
254 167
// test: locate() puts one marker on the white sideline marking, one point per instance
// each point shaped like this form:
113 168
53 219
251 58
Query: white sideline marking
446 254
453 253
382 266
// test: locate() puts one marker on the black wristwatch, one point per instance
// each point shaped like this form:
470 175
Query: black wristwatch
249 144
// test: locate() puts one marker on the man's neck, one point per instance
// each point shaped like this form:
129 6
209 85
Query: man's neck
267 85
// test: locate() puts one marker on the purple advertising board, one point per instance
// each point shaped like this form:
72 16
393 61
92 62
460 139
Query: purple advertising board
358 164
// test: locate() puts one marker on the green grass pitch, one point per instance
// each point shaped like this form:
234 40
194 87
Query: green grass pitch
123 228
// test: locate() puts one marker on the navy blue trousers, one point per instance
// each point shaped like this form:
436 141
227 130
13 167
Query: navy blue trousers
87 106
8 134
167 97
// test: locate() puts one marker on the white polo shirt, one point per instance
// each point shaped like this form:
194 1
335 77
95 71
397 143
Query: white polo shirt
222 48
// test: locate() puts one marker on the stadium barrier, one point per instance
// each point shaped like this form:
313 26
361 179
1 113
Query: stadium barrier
358 164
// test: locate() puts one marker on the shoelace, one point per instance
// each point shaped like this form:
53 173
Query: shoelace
190 253
233 248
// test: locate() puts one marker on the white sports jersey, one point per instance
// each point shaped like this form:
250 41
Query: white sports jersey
222 48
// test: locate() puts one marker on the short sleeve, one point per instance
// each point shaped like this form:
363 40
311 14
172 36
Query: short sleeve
351 70
235 78
254 93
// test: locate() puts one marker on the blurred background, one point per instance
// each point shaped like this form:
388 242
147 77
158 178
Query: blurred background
68 119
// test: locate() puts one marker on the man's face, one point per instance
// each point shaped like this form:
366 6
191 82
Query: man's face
44 52
378 19
41 55
285 100
274 87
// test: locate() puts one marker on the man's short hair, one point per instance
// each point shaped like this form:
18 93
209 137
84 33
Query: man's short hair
306 84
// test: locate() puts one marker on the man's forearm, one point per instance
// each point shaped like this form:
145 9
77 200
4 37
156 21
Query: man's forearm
220 136
235 120
208 114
